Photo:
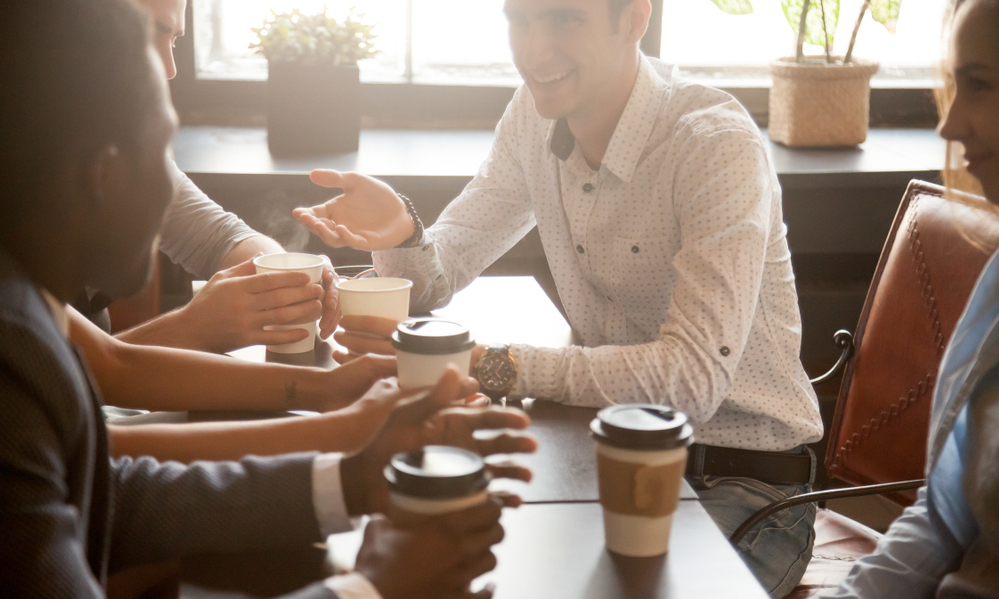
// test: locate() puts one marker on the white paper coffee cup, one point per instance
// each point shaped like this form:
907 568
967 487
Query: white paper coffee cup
641 457
311 265
425 346
385 297
434 481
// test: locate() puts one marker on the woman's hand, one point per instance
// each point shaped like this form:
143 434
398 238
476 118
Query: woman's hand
364 335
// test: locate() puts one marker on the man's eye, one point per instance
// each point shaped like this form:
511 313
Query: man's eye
563 21
977 85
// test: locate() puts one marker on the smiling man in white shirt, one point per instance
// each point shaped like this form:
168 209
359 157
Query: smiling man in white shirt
660 215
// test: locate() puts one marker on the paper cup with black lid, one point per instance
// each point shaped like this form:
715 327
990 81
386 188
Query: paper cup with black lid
641 458
425 346
433 481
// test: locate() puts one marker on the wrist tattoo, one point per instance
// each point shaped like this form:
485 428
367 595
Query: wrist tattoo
417 235
291 394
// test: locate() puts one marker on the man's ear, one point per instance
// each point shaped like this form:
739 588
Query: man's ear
638 19
106 177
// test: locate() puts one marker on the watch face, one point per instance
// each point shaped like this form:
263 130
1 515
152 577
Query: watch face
496 372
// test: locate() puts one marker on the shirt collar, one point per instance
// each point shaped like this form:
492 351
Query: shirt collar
633 130
59 313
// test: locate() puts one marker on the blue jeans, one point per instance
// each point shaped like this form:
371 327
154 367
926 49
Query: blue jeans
778 549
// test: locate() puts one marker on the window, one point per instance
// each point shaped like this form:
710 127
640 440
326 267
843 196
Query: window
737 48
458 42
448 61
449 42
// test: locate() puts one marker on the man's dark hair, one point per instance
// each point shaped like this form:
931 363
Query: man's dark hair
616 7
74 76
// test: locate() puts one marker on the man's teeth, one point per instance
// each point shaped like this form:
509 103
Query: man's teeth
550 78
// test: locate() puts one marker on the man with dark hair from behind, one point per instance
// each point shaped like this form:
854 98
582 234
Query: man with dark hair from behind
85 127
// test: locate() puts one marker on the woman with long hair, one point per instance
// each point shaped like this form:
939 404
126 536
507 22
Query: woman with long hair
947 544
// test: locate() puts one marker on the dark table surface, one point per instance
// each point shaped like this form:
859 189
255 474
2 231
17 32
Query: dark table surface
512 309
550 551
554 545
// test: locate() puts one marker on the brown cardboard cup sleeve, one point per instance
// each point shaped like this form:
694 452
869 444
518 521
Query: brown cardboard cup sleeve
638 489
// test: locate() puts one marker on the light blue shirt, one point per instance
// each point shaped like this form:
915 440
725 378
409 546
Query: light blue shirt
927 541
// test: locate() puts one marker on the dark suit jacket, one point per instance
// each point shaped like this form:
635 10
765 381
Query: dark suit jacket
69 514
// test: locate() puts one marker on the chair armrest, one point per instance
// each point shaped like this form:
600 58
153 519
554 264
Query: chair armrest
815 496
843 339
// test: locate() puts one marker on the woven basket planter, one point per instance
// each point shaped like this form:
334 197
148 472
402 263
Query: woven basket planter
820 104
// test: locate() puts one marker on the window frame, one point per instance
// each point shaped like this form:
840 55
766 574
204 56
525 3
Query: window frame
410 105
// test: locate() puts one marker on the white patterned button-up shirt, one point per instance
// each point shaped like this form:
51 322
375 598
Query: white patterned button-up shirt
671 261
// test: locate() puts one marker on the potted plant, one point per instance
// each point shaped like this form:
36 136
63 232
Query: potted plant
313 87
820 100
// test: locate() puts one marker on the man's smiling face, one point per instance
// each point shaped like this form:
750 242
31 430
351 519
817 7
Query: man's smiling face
569 52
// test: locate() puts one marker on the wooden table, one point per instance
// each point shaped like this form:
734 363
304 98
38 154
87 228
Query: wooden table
554 545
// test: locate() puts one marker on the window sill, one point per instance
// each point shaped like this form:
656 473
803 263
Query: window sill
235 154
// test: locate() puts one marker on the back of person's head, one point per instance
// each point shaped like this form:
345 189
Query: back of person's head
75 77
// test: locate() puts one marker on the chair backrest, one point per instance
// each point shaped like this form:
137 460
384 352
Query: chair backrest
934 254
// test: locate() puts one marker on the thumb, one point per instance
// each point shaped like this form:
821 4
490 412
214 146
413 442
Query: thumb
439 397
326 177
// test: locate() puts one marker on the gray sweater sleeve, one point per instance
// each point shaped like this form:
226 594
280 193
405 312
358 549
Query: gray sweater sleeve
196 232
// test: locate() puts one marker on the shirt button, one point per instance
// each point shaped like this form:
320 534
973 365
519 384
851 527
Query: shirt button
725 351
634 249
588 187
579 249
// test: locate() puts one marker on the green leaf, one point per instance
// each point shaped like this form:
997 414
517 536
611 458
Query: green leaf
815 33
734 7
886 12
314 38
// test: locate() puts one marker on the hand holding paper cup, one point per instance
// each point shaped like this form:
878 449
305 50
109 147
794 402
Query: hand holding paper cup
309 264
641 458
433 481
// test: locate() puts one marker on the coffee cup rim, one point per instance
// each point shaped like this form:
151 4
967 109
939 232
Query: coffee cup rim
677 433
445 344
319 261
349 285
406 479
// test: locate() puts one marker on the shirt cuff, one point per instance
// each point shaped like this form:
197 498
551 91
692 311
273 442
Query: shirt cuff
539 371
327 495
352 586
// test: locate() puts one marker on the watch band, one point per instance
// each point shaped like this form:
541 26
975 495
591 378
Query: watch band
414 239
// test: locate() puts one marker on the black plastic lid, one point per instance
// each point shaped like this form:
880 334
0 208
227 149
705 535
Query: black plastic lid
642 426
429 335
437 472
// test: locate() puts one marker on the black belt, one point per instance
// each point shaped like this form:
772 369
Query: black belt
772 467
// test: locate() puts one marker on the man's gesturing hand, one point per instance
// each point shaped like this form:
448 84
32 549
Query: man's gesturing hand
367 216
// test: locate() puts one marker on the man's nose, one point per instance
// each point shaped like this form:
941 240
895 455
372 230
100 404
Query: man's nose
166 56
536 47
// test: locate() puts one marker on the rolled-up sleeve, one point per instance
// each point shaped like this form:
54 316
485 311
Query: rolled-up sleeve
196 232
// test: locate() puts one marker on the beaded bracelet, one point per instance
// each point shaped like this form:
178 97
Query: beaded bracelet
417 236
